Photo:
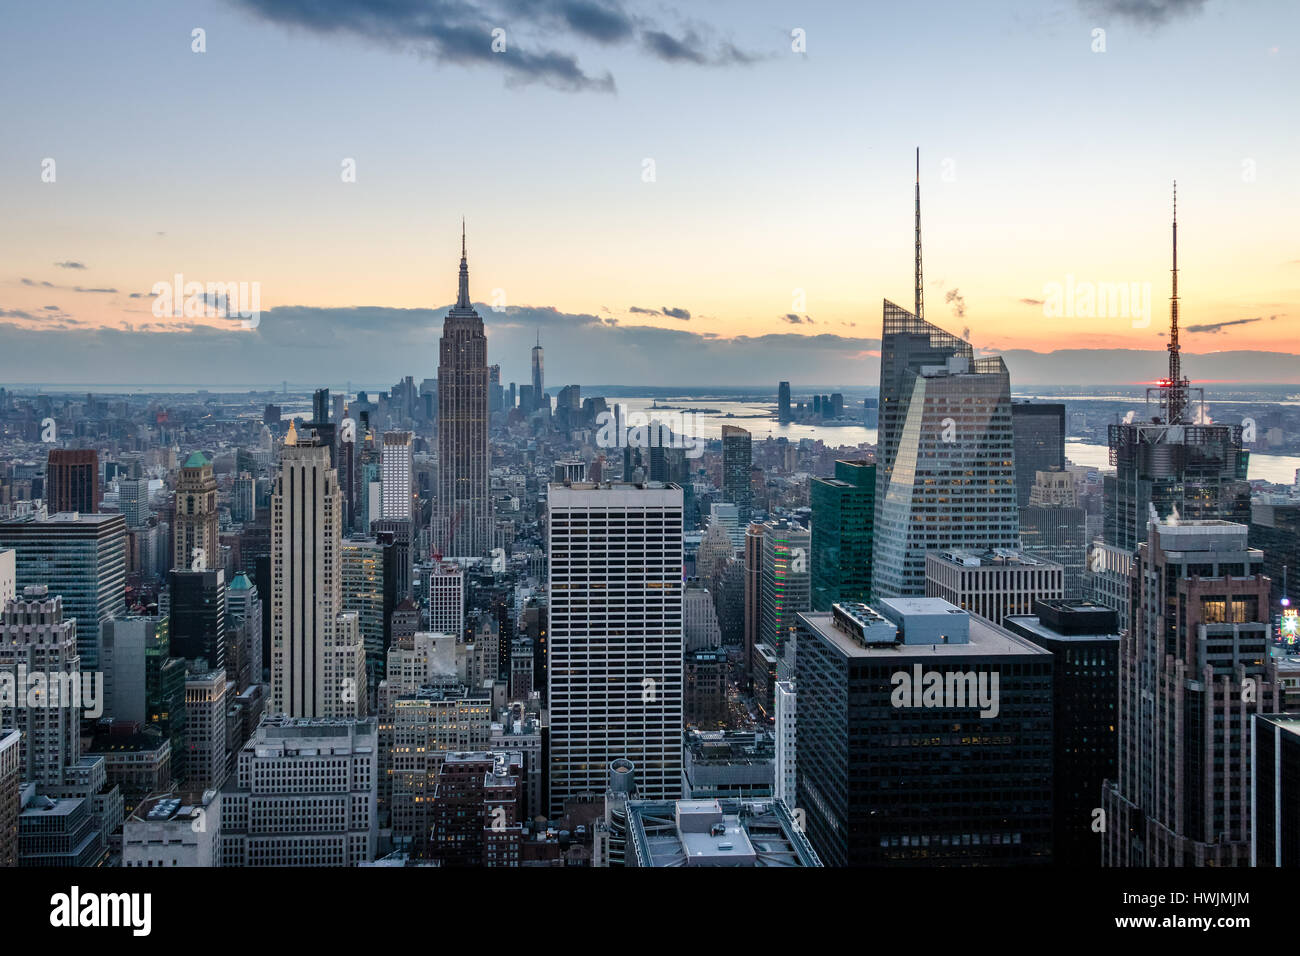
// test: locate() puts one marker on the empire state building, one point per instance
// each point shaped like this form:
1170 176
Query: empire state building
463 520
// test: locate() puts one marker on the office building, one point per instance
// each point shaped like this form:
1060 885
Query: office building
447 599
79 557
1275 530
753 598
477 810
1084 642
244 623
195 542
704 700
708 833
1194 668
395 466
945 477
368 588
10 801
992 583
1039 438
783 413
843 509
206 702
1275 763
303 795
737 460
169 830
318 661
785 759
39 660
197 615
924 738
72 480
786 582
123 659
463 517
1053 527
616 646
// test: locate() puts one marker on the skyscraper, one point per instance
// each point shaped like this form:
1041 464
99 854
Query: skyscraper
79 557
318 661
1174 460
280 774
447 599
463 525
945 476
886 775
195 544
1039 430
786 581
616 646
1084 640
72 480
1053 525
36 638
843 510
783 414
737 459
1194 667
197 613
538 368
395 476
753 598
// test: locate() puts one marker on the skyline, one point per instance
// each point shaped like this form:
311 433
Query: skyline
699 265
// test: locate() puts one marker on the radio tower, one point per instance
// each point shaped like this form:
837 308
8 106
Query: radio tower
919 296
1176 405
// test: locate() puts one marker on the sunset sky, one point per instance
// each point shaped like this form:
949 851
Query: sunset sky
774 171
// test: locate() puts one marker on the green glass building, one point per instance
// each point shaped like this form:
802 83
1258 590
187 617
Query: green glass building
843 511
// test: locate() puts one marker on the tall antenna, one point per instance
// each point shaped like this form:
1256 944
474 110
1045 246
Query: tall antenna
1177 403
919 296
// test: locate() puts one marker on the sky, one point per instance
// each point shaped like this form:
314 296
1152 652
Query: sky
667 193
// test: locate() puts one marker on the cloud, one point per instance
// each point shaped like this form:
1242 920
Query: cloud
65 288
676 313
795 319
1216 326
461 32
70 265
691 47
1149 12
954 298
311 346
1031 301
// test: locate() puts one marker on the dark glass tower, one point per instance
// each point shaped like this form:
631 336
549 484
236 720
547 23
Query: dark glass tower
72 480
843 513
737 459
1084 640
885 780
197 616
1039 431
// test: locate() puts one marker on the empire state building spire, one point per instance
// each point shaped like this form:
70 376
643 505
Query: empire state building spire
462 298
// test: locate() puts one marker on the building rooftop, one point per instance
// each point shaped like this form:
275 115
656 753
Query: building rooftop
715 833
986 640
